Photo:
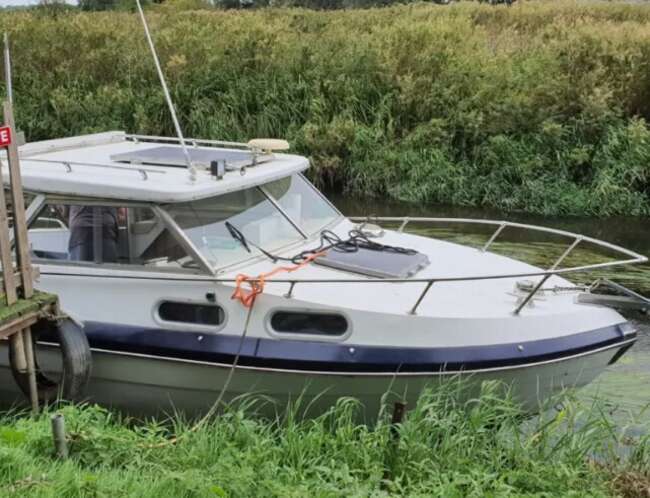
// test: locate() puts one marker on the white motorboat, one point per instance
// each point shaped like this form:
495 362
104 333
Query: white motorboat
147 255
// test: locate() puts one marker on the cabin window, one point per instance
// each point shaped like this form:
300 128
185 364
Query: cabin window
108 234
302 203
309 323
194 313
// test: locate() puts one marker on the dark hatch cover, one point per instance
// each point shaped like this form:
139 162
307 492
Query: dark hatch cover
380 264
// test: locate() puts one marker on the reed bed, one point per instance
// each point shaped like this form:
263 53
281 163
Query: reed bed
484 446
540 107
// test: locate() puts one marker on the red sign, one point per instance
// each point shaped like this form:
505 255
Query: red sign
5 136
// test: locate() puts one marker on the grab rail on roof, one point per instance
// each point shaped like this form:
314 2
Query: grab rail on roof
144 172
195 142
633 258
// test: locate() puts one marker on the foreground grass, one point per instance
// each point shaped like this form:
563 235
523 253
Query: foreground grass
447 448
541 107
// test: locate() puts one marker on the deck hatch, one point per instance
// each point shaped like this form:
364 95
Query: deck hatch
167 155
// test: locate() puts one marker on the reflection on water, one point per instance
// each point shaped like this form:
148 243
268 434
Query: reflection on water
624 386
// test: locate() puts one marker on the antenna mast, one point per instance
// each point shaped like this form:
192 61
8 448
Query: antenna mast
168 98
10 92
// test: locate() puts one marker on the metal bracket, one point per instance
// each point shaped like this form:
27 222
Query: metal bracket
289 294
494 236
417 303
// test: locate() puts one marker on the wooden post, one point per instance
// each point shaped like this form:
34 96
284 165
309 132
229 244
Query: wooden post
58 435
31 368
20 223
22 253
9 280
399 408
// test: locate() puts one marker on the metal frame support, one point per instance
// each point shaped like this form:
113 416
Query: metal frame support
277 206
424 293
34 208
182 239
494 236
403 225
531 294
289 293
566 253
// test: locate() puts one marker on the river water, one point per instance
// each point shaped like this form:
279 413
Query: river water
624 386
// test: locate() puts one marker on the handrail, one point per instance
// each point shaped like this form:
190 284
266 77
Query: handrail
633 258
144 172
193 141
513 224
501 276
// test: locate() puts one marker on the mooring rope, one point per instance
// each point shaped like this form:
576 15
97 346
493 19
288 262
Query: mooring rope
215 406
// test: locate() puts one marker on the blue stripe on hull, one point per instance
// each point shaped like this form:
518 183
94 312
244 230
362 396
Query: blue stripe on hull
312 355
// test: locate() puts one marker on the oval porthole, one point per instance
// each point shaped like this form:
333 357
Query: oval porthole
309 323
191 313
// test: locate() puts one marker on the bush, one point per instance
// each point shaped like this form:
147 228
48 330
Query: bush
541 107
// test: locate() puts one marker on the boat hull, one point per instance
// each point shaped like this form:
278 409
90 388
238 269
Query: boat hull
146 385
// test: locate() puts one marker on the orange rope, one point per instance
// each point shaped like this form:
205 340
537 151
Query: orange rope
247 298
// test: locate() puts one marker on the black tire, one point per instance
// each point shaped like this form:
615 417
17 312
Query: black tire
76 357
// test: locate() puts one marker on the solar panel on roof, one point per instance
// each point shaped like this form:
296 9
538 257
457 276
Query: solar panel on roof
166 155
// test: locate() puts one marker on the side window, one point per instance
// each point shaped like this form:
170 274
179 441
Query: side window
105 235
309 323
193 313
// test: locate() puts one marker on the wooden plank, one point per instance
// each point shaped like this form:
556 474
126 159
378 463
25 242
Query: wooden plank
18 325
31 369
20 224
18 284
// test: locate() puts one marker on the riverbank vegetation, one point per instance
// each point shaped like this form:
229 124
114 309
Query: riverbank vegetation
446 447
541 107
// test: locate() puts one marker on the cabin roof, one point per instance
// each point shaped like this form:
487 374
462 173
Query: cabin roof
82 167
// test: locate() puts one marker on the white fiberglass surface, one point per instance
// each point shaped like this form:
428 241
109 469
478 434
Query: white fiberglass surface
252 213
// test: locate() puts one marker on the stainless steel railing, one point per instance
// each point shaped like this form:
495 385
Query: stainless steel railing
194 142
142 171
576 239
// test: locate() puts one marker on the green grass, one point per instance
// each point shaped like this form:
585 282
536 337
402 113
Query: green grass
541 107
481 447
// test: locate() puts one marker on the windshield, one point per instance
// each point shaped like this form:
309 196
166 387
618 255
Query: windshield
252 213
302 203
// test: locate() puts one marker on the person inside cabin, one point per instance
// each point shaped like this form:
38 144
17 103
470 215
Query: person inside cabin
93 233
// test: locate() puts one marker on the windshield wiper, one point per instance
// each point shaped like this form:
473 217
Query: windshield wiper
237 235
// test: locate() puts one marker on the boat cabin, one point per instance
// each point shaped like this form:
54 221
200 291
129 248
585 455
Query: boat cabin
115 199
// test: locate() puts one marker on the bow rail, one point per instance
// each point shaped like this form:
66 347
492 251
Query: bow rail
631 257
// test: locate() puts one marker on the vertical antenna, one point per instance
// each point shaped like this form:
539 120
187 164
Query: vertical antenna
10 92
168 98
